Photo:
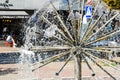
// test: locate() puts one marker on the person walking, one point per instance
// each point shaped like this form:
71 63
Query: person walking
10 42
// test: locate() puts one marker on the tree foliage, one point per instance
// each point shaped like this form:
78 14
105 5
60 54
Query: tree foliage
113 4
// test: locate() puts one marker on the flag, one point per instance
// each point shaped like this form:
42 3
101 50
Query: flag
88 2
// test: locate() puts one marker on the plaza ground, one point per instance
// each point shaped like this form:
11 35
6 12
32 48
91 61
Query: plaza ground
13 71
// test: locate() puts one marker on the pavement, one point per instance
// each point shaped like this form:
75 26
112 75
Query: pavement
8 50
18 71
23 72
2 43
4 49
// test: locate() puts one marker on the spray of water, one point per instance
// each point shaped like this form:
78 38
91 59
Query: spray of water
36 33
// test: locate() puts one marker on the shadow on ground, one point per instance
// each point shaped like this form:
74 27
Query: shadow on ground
8 71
